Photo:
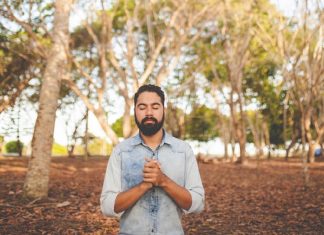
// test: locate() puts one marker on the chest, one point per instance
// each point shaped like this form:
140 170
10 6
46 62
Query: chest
173 164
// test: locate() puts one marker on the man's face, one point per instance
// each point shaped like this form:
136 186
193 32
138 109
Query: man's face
149 113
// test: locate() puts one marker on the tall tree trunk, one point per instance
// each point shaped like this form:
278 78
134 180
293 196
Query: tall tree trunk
127 124
19 146
36 182
308 134
86 136
241 139
102 119
304 157
241 130
226 136
233 141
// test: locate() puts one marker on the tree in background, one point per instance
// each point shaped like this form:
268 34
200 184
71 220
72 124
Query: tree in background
37 178
229 51
131 43
175 121
200 124
1 143
263 70
298 46
14 147
117 126
23 47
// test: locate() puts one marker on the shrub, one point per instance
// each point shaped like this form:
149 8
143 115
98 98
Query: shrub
14 146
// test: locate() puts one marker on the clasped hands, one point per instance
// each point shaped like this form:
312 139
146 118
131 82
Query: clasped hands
152 173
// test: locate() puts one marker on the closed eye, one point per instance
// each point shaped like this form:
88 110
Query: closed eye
142 107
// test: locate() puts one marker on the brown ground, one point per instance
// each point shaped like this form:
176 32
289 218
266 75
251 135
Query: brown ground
268 199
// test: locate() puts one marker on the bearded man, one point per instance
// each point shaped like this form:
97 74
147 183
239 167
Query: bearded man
153 177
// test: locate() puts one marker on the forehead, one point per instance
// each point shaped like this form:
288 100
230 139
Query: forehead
148 98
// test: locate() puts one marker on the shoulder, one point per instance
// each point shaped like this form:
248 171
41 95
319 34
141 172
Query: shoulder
177 145
126 145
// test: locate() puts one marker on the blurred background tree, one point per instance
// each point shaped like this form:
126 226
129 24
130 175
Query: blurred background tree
239 71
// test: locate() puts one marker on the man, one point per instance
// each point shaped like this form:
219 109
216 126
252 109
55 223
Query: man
151 178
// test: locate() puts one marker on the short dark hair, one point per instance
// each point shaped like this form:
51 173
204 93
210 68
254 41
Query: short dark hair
149 88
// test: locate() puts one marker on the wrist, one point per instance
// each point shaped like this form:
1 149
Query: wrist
145 186
164 181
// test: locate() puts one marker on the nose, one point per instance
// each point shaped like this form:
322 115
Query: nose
149 112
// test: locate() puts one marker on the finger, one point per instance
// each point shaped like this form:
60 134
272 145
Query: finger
150 167
149 180
149 174
151 161
154 169
156 162
150 164
148 170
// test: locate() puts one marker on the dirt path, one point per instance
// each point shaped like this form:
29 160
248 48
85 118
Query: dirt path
269 199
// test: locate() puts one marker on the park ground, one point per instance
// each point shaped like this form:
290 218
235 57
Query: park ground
266 197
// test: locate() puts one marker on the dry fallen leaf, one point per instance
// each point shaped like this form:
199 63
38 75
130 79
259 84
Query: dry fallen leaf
63 204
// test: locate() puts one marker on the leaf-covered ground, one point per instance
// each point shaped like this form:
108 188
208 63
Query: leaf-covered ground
264 198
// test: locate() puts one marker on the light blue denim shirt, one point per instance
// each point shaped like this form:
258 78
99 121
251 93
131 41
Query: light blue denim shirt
155 212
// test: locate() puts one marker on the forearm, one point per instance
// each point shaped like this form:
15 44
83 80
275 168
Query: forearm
126 199
179 194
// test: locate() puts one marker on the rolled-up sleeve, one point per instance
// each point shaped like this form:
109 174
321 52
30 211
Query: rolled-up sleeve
193 183
111 186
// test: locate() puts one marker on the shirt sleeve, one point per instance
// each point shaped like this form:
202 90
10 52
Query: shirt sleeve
193 183
111 186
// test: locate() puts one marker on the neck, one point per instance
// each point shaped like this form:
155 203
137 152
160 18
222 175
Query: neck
153 141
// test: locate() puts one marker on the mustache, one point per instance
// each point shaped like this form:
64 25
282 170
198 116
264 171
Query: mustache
149 119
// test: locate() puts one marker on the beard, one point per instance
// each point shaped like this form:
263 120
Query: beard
150 128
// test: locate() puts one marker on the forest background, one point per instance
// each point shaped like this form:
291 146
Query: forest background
245 87
241 72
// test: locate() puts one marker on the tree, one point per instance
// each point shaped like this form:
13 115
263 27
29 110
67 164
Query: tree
14 147
299 48
175 120
228 49
1 143
23 47
117 126
200 124
37 178
17 67
132 43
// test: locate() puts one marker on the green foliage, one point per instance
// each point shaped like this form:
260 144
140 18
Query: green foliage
14 146
174 120
260 87
201 124
18 64
58 149
99 146
20 57
117 126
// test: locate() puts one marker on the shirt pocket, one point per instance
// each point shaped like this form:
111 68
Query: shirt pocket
174 167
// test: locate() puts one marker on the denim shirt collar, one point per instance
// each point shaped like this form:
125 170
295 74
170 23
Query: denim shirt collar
166 139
